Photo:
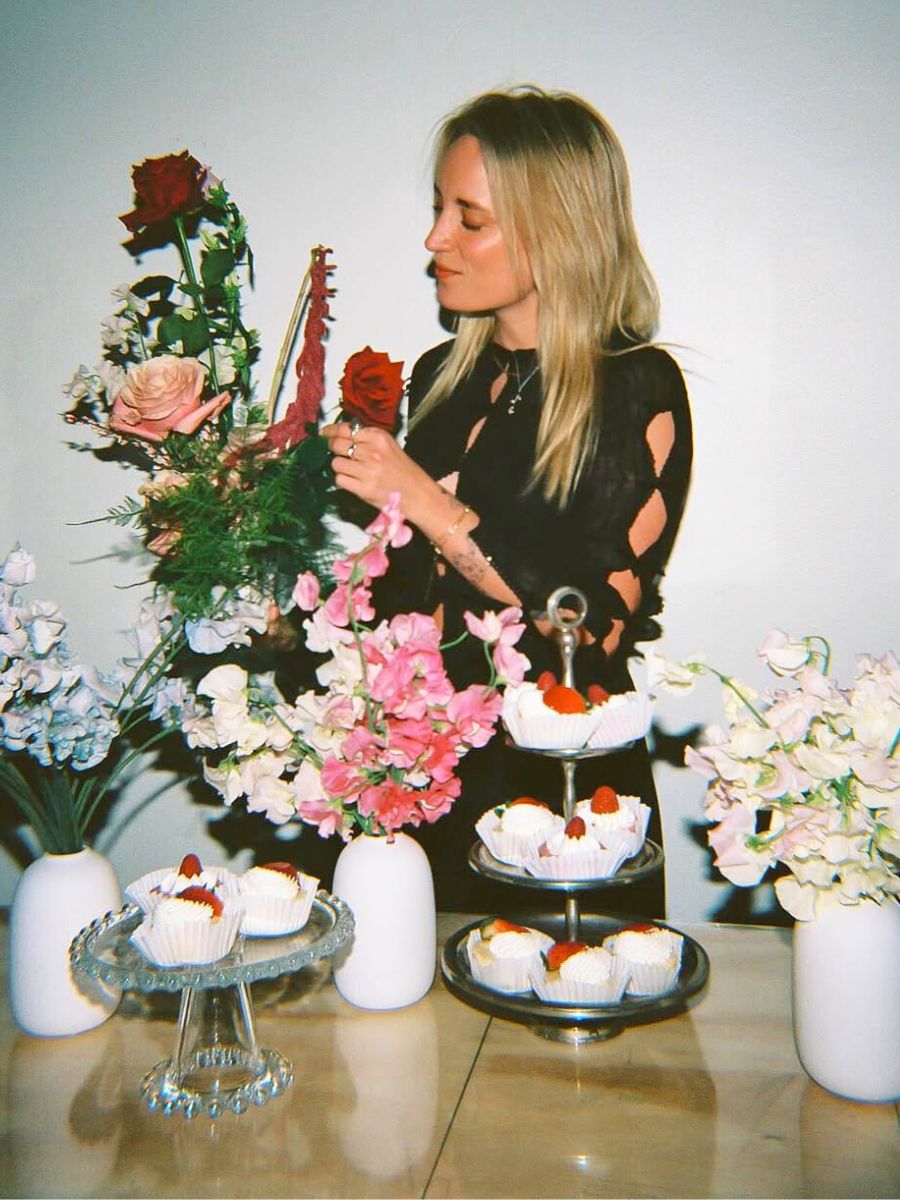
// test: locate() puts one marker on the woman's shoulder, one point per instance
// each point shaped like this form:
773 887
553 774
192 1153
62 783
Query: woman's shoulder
429 363
650 376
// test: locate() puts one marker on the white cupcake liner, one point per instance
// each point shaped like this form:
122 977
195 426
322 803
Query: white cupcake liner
272 916
192 943
513 848
630 840
506 974
142 893
652 979
583 864
572 991
552 730
621 723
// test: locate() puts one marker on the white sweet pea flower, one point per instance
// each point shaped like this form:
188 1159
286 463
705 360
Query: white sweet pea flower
751 740
82 384
111 376
226 779
675 677
822 764
782 655
266 791
45 624
227 683
123 295
224 360
799 899
19 568
115 333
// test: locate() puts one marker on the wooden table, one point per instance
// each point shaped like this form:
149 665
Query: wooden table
440 1100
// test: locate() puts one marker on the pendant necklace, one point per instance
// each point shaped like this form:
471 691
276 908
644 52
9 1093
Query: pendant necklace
521 383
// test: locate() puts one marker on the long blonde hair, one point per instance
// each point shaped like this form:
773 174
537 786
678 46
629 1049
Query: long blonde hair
559 185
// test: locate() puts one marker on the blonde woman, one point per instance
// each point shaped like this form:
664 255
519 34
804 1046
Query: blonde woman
549 441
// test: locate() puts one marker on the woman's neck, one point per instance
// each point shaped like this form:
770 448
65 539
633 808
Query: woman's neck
516 327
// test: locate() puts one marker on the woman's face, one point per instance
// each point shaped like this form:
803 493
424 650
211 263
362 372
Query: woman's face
472 263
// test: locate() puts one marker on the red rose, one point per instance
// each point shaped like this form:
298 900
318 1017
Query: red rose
165 187
372 388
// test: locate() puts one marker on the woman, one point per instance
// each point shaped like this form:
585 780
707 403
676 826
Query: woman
549 444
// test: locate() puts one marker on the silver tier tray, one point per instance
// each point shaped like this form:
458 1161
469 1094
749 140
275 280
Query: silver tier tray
648 860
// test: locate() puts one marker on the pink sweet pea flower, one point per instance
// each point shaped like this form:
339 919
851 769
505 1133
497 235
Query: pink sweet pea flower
505 627
389 524
438 799
474 713
341 780
306 591
391 804
509 664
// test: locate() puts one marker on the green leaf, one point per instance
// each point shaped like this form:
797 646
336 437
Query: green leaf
191 334
215 265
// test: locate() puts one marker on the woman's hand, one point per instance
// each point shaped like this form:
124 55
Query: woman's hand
369 463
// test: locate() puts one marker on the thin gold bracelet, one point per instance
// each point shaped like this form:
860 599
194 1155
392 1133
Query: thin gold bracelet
451 529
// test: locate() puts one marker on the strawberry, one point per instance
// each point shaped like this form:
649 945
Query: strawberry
564 699
560 951
283 868
604 800
644 927
546 680
597 695
190 866
529 800
576 828
495 925
202 895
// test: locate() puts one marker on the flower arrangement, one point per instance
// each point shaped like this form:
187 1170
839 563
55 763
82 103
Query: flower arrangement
805 778
378 747
64 727
234 505
235 502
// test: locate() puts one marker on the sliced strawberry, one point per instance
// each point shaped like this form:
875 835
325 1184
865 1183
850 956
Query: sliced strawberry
597 695
604 800
564 699
560 951
495 925
190 866
283 868
529 800
202 895
576 828
546 680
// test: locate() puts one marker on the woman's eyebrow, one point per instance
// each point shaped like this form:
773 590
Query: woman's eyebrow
472 205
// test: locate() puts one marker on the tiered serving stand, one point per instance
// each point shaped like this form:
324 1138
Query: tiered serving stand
566 609
217 1064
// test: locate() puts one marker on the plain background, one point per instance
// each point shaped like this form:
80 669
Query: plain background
763 143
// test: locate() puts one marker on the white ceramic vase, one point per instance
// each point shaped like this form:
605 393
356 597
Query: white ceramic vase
389 886
56 897
846 999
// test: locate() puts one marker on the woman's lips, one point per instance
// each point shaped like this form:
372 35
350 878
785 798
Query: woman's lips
444 272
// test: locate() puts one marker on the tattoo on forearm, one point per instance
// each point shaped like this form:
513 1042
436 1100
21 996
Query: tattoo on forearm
469 561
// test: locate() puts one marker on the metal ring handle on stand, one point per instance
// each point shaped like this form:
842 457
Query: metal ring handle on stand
566 625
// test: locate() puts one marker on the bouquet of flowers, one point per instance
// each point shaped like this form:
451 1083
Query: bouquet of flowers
64 727
378 747
234 505
805 777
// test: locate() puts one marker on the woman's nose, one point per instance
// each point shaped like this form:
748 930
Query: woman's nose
437 238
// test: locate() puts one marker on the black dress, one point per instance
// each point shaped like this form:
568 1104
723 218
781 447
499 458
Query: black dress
537 548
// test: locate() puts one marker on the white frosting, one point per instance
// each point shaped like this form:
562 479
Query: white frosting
657 947
259 881
513 944
529 700
561 844
591 965
174 911
173 883
624 817
526 818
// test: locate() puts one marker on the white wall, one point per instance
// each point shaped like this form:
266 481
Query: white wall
763 141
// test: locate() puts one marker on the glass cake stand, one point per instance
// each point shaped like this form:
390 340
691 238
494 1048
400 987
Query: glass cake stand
217 1064
566 609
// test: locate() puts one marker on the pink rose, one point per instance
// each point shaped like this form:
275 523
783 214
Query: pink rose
162 396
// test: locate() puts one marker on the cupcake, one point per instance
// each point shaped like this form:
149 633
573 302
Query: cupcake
576 973
652 955
192 928
621 719
277 899
615 820
555 718
513 831
574 853
155 886
503 956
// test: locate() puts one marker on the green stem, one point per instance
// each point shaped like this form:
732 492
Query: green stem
197 296
737 691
